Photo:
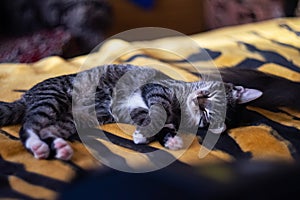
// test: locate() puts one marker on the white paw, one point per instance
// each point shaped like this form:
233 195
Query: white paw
174 143
139 138
63 149
39 149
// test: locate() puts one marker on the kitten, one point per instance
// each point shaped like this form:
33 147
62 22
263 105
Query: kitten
156 104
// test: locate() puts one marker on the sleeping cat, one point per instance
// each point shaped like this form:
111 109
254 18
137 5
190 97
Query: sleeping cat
51 110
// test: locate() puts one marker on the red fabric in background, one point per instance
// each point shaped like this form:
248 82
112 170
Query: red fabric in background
33 47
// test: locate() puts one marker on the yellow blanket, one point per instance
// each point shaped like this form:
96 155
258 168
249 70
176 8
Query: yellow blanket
272 46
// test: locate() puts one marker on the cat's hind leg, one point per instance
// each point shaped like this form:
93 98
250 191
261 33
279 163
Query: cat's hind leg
55 135
46 143
34 144
45 140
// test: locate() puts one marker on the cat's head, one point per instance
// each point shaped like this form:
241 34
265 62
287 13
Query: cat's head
203 103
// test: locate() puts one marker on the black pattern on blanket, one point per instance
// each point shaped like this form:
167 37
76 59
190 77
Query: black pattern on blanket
272 46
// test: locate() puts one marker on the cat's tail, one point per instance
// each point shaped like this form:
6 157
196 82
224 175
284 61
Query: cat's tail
12 113
277 91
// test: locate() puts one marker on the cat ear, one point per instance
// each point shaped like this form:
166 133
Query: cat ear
247 95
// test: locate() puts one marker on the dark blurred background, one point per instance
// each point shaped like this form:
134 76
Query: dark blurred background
34 29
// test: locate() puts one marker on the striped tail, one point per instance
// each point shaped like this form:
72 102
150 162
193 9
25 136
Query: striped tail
12 113
277 91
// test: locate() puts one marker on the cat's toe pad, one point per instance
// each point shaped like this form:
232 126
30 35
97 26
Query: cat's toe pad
40 149
63 149
174 143
139 138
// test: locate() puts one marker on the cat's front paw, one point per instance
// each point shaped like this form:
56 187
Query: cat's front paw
63 149
138 138
174 143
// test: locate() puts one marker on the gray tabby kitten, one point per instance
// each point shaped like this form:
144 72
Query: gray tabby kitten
141 96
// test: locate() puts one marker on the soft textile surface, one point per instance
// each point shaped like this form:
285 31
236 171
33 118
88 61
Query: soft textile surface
272 46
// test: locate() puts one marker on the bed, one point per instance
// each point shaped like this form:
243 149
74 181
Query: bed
270 136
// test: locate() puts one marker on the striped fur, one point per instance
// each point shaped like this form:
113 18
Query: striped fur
12 113
153 102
